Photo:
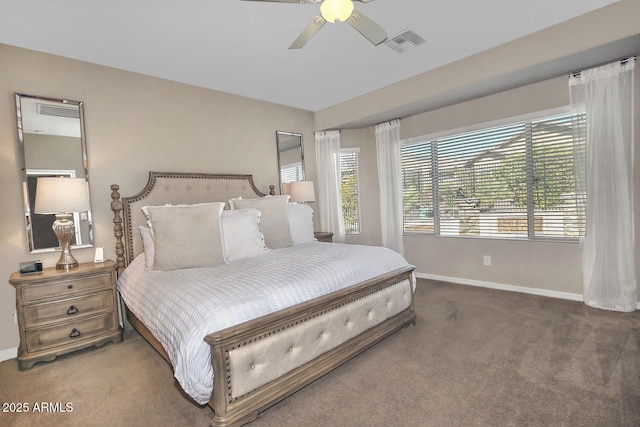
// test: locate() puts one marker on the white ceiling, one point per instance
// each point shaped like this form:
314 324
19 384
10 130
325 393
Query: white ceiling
241 47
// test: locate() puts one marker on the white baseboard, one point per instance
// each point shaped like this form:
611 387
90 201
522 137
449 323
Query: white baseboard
10 353
503 287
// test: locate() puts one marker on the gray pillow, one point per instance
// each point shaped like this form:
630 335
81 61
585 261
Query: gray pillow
186 236
274 222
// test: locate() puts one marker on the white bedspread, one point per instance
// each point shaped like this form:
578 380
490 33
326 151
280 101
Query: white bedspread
181 307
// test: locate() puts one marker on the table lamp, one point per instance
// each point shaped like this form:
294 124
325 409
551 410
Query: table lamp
301 191
63 196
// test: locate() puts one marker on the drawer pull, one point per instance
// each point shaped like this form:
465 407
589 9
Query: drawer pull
70 287
72 310
74 333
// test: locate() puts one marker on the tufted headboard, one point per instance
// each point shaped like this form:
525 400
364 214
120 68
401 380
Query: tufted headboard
171 188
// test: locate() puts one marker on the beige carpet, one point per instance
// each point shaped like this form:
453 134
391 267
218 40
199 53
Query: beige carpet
476 357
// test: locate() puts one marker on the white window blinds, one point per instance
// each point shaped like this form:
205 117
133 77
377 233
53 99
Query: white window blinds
512 181
292 172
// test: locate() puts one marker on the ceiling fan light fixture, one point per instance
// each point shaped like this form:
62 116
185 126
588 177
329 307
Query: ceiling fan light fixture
336 10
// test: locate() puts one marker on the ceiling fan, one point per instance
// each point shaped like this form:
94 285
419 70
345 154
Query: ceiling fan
337 11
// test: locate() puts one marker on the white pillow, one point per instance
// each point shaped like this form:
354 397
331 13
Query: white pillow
147 246
274 223
241 234
300 218
186 236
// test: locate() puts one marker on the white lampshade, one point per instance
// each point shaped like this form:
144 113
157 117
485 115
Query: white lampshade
336 10
302 191
56 195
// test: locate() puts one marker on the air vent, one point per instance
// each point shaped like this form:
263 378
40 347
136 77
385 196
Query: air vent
59 111
404 41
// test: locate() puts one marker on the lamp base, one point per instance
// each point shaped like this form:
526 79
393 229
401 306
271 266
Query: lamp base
65 230
66 262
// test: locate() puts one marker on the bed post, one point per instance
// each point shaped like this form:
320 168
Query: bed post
116 207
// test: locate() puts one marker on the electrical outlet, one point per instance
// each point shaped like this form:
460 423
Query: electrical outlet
486 260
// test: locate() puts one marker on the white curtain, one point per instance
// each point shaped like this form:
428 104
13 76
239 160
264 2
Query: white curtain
390 183
606 95
328 166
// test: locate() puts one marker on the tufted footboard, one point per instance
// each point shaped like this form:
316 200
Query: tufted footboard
260 362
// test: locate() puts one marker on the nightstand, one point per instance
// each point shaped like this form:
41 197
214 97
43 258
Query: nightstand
323 236
63 311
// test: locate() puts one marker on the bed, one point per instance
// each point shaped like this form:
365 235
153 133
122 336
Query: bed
301 307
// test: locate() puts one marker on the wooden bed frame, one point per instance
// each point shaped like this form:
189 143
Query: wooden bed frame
343 323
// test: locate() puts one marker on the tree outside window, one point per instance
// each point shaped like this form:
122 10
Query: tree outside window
349 190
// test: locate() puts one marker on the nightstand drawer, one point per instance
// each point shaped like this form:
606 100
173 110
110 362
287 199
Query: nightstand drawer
66 286
72 308
69 333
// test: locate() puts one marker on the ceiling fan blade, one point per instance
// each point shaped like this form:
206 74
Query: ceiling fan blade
365 26
311 30
302 1
291 1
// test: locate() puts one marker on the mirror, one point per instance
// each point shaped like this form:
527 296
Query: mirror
51 141
290 157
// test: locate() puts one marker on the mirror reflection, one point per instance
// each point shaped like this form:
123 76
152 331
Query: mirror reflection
290 157
52 144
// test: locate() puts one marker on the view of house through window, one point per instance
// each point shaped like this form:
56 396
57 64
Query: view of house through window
513 181
349 190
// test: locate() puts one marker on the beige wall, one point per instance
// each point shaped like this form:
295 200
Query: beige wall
554 267
53 152
549 266
134 124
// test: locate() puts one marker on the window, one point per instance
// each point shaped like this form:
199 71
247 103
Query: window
513 181
349 190
292 172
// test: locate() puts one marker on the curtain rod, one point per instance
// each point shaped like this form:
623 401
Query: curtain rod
388 121
623 61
